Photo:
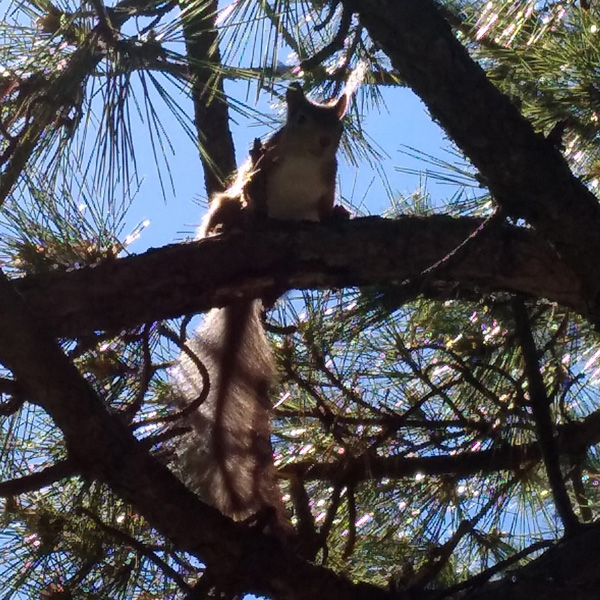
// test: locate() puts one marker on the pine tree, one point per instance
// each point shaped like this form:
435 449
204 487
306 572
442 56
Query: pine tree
435 420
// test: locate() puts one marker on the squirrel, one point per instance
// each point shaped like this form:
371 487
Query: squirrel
226 455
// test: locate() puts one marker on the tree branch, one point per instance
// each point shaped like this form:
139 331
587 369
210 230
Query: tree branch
210 106
102 447
525 172
246 560
568 571
336 43
540 406
138 547
479 579
573 438
36 481
59 91
188 278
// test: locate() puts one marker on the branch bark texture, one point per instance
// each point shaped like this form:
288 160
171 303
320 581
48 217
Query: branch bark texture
189 278
210 107
526 173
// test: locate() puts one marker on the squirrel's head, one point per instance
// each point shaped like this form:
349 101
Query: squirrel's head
313 128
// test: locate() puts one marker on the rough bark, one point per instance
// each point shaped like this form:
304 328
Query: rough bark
188 278
239 557
100 446
527 176
525 172
211 112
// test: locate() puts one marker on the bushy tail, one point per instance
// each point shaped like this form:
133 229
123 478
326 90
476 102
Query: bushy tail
227 456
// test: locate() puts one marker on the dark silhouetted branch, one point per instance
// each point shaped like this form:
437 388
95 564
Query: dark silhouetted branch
188 278
526 173
36 481
540 406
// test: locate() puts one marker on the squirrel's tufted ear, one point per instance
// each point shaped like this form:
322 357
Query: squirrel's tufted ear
295 97
341 106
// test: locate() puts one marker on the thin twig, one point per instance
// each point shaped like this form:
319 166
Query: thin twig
38 480
540 405
352 513
144 378
487 574
579 489
139 547
202 370
336 43
336 500
430 570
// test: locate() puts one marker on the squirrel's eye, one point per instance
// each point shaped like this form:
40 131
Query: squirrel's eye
301 119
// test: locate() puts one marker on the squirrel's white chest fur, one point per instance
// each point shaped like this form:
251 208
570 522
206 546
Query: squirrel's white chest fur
295 187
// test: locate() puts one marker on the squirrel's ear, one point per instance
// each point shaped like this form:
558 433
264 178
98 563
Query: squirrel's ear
295 97
341 106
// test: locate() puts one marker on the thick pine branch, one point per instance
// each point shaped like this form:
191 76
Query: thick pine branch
525 172
101 447
210 107
188 278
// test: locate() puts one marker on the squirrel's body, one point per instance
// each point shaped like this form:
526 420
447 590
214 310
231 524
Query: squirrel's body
298 191
227 457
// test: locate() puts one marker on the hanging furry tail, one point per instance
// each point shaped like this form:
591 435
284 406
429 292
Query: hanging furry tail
226 457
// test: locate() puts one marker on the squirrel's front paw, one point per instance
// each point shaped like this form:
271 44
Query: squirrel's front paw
339 213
